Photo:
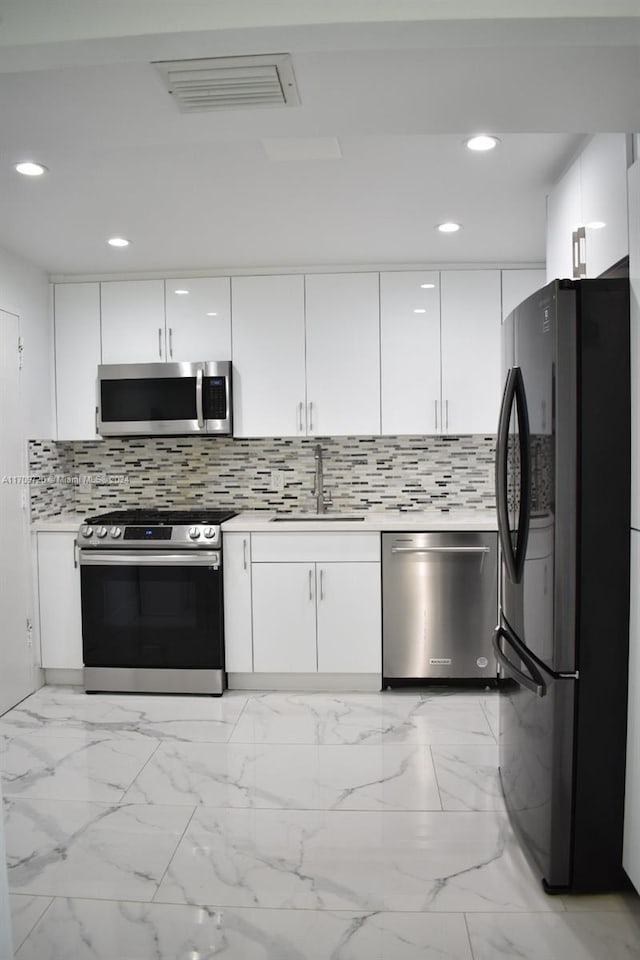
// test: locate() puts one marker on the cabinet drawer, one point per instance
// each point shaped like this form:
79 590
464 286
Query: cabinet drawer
311 547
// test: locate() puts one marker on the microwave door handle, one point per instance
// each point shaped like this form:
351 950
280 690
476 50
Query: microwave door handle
199 407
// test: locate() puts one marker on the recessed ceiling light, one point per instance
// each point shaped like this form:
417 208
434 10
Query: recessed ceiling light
30 169
596 225
118 242
448 227
181 293
427 286
482 143
419 310
212 314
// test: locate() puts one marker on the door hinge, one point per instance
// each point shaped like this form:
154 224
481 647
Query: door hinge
20 352
29 632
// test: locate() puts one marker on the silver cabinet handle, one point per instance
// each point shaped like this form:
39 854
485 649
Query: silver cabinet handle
310 585
160 342
311 416
97 431
75 553
244 554
199 408
440 550
300 411
171 342
322 584
446 414
436 414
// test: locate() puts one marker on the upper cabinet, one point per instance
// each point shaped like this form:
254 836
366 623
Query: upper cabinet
471 375
591 195
517 285
198 319
343 354
155 321
306 355
133 327
77 355
410 352
269 393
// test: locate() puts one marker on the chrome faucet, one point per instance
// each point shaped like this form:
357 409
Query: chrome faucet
322 499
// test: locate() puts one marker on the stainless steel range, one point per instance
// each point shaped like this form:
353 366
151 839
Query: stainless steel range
152 603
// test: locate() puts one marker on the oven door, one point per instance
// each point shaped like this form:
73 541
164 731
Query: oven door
148 609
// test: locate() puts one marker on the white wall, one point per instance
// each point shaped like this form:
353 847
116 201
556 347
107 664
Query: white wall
25 290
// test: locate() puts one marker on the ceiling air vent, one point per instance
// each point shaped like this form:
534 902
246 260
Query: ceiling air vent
229 83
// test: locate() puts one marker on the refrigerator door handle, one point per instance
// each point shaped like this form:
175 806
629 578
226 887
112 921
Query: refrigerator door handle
535 682
524 436
502 448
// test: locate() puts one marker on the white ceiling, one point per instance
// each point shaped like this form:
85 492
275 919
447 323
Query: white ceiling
198 192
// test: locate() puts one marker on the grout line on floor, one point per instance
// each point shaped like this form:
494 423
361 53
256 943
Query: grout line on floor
175 850
51 899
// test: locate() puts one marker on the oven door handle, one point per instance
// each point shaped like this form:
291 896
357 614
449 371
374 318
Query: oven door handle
145 558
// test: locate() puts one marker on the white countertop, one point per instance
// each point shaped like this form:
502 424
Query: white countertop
62 523
261 521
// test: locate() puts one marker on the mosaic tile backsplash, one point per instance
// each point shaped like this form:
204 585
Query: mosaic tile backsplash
362 473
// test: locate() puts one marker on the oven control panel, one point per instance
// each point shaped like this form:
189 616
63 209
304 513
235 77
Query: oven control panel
140 534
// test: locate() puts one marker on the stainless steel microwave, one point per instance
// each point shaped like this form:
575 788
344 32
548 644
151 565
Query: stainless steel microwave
164 399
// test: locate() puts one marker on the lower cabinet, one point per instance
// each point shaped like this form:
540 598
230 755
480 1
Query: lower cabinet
631 854
312 617
59 601
302 603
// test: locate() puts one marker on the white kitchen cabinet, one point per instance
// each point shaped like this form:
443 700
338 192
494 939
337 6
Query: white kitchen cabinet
238 639
59 601
284 618
471 376
316 603
133 321
517 285
631 854
269 394
343 354
198 321
77 355
591 194
410 352
349 617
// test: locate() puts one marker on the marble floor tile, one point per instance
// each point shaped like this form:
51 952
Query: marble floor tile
66 848
94 930
468 776
627 902
25 913
352 860
361 719
97 767
566 936
69 712
289 776
491 706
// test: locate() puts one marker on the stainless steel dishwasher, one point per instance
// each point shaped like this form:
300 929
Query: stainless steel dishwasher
439 605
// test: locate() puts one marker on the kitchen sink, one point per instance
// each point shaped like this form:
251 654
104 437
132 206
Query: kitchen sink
307 517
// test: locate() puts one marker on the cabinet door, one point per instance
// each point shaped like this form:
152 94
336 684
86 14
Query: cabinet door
238 642
343 354
284 617
517 285
564 215
77 352
471 377
410 352
198 313
59 598
133 326
349 618
268 356
631 854
603 173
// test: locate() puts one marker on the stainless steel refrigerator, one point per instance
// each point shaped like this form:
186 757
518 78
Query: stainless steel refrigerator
563 496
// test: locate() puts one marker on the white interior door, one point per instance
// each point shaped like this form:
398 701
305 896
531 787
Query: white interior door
17 672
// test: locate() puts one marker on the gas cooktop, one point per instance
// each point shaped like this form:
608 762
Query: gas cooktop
199 515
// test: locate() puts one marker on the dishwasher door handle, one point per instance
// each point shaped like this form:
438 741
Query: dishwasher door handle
475 550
